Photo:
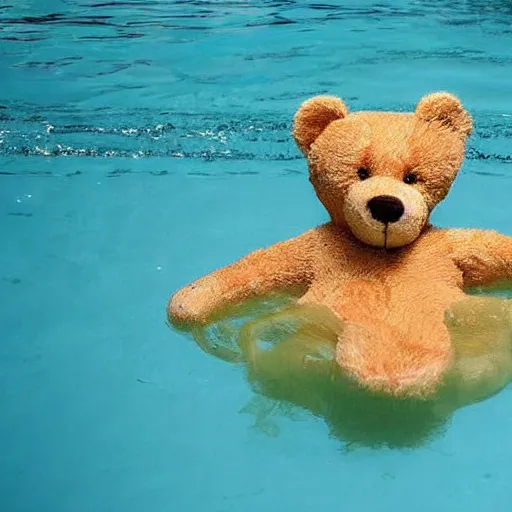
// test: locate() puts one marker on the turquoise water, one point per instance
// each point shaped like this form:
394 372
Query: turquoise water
144 143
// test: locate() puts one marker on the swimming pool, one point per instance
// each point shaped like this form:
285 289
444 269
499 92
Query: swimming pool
144 143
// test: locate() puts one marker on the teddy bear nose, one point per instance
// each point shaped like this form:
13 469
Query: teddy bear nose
386 209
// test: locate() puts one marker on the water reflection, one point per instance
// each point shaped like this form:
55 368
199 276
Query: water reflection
288 355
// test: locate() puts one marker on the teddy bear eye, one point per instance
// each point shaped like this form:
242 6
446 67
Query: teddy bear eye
410 178
363 174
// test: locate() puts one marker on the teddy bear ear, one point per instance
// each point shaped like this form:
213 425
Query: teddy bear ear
446 109
313 117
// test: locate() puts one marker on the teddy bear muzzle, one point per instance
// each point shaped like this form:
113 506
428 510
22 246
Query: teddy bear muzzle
384 212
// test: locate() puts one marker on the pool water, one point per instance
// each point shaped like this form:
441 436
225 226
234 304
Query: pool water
145 143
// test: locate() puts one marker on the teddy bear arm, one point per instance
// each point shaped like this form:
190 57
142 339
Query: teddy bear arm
484 257
282 267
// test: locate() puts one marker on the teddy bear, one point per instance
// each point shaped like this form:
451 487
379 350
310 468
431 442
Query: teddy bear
378 293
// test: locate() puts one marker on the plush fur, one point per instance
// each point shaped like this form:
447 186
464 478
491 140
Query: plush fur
389 277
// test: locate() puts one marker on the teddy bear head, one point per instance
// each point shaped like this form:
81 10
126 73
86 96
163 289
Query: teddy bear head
380 174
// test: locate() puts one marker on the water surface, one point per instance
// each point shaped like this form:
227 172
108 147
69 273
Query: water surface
144 143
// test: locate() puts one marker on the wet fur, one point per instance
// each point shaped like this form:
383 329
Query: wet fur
392 303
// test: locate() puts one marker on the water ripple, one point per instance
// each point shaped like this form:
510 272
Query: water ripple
219 80
27 131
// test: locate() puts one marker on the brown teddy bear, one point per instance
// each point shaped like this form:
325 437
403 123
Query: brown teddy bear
378 284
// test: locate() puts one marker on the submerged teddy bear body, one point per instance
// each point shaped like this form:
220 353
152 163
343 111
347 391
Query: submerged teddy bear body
392 306
378 266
